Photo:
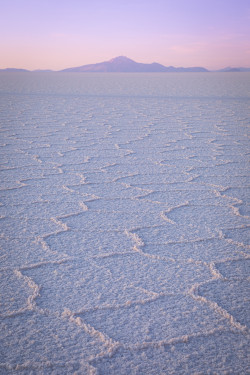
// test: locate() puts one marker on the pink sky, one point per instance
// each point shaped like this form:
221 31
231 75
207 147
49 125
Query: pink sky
56 34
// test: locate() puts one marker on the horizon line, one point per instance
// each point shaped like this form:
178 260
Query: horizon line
110 60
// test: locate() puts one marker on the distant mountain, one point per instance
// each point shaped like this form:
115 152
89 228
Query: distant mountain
186 70
42 70
123 64
119 64
13 70
232 70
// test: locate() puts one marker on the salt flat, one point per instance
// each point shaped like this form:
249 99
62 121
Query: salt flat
124 223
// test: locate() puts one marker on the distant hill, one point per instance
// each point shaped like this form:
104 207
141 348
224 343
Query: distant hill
232 70
123 64
13 70
42 70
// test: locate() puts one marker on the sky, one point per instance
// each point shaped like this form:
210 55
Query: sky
57 34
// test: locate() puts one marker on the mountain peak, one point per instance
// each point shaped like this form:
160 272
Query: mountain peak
122 64
120 59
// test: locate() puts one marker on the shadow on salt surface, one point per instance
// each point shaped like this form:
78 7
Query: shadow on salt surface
111 282
237 157
130 166
23 250
82 286
160 178
163 234
209 218
16 293
43 209
10 178
154 275
49 184
21 159
219 353
99 177
85 242
241 193
161 320
197 197
179 152
204 250
225 180
238 235
109 190
52 346
241 196
244 210
16 227
101 220
239 268
231 295
11 197
222 169
136 207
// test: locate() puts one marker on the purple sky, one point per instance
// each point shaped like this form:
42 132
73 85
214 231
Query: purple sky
58 34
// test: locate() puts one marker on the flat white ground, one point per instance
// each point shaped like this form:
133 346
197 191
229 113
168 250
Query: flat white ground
124 221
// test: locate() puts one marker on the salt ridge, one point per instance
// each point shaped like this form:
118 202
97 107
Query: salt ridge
121 249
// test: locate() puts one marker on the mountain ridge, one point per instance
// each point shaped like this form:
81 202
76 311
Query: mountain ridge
123 64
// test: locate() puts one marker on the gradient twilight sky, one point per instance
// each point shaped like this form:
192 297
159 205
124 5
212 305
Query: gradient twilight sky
57 34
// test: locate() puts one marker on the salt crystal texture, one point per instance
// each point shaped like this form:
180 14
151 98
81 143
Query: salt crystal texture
124 223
